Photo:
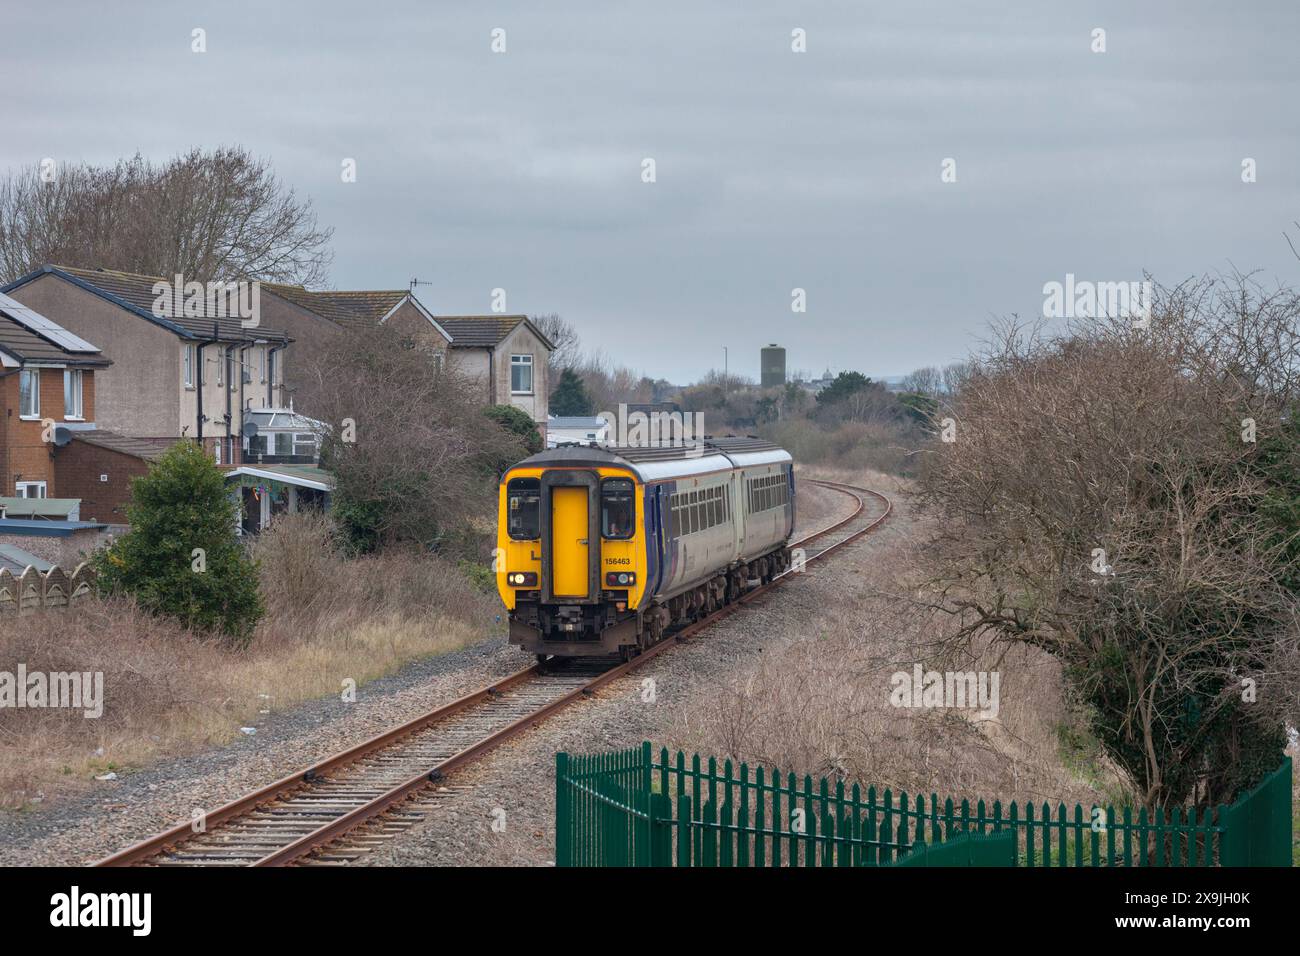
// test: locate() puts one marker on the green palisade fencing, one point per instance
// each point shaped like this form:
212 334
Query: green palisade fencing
631 808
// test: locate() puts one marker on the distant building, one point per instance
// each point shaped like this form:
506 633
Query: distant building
815 385
575 430
772 366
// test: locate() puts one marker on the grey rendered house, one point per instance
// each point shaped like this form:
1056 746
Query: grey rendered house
507 355
172 376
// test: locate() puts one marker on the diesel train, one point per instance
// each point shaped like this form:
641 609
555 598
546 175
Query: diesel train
601 550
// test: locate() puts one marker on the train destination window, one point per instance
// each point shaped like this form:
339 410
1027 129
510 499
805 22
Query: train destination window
617 508
524 509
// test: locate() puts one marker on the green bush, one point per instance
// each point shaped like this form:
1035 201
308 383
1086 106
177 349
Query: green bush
181 557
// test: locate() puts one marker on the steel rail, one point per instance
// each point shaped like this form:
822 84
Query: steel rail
302 780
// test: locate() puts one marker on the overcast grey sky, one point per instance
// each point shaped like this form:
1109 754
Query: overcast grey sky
775 170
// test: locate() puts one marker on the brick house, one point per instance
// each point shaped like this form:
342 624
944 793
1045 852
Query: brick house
507 354
48 391
172 375
97 466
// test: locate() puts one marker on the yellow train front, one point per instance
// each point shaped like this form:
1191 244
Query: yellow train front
602 550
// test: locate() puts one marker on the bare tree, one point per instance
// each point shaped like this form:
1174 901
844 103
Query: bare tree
568 347
924 381
1126 498
414 457
208 215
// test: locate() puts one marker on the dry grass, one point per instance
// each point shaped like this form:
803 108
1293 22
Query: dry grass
170 692
820 704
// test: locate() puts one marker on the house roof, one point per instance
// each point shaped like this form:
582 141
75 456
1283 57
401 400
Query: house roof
304 476
16 560
135 293
486 331
39 507
575 421
148 449
352 309
41 528
40 342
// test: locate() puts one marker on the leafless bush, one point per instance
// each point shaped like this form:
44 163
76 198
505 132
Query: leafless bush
420 461
1099 503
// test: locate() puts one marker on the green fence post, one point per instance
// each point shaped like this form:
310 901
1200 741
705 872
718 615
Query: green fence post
641 824
683 829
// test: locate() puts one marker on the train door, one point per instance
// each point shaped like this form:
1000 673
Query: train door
570 544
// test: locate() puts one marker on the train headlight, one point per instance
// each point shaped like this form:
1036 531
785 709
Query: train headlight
620 579
522 579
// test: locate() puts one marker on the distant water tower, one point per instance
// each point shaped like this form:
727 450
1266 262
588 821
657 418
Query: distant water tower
772 366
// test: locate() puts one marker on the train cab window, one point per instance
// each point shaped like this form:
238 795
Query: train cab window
524 509
617 508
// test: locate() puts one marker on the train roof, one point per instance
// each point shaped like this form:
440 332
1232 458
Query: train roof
671 461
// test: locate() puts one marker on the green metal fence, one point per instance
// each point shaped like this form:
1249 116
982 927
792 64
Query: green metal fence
628 808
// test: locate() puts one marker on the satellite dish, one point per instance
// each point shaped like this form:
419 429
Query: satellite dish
62 436
249 430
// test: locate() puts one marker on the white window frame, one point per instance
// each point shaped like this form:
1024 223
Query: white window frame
521 361
21 487
221 366
188 353
35 413
77 411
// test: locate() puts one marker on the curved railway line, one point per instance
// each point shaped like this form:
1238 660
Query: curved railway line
336 810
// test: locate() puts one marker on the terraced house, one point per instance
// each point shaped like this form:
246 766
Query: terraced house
47 391
507 355
172 375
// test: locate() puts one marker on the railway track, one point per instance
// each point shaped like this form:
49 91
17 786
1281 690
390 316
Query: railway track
338 809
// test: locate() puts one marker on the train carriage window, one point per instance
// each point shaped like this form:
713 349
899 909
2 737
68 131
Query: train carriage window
524 509
617 508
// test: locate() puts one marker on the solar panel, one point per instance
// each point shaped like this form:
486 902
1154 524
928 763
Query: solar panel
35 322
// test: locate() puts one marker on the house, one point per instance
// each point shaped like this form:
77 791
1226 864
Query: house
506 354
174 375
97 466
575 430
48 392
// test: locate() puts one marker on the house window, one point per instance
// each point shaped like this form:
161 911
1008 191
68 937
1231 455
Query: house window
29 393
261 365
231 375
30 489
245 367
188 365
72 393
521 374
270 375
220 363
